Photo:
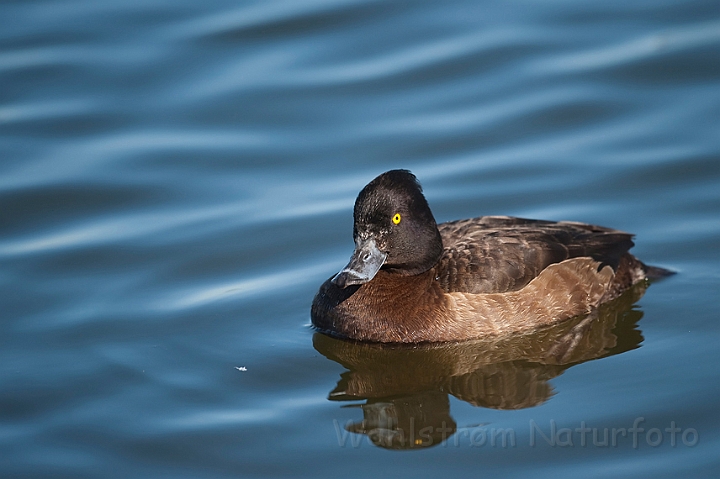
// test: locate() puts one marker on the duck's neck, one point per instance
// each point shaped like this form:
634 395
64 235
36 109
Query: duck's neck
394 308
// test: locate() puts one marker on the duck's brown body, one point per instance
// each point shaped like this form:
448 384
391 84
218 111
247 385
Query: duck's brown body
497 275
411 280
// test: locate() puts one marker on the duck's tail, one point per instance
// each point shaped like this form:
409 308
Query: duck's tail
655 273
630 271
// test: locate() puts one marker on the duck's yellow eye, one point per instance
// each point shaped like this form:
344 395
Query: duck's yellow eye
396 218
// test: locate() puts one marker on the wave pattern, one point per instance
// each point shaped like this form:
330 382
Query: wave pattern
177 179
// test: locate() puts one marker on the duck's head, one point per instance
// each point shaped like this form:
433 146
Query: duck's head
394 230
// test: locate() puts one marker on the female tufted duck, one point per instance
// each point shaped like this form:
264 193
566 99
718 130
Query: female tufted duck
411 280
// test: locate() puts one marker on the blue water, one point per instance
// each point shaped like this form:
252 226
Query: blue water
177 179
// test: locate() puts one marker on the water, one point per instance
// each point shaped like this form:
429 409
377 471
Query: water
177 180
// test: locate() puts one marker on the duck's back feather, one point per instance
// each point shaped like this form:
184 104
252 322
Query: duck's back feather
497 254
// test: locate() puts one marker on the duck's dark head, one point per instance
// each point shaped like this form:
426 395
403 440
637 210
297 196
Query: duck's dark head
394 230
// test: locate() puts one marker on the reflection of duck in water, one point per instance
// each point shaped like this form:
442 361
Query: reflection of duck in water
406 387
411 280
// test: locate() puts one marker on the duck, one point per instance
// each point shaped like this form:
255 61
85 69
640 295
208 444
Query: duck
411 280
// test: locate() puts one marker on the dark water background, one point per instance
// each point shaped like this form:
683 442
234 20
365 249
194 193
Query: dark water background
177 178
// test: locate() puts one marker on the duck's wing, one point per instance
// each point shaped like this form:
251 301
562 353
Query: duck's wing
493 254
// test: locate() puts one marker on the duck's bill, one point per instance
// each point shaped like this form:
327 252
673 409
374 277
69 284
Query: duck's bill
366 261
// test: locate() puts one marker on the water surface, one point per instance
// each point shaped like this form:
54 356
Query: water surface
177 179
